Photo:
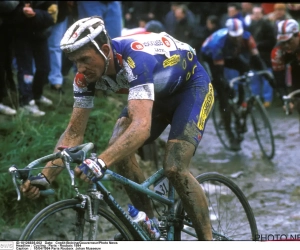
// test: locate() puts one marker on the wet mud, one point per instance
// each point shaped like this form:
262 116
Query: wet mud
271 186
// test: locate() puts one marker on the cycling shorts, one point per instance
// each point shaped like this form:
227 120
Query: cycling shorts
186 111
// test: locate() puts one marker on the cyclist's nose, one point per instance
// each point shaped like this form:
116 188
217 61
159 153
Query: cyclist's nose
80 68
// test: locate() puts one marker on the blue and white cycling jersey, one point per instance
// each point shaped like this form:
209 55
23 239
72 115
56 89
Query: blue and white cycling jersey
218 47
160 68
150 66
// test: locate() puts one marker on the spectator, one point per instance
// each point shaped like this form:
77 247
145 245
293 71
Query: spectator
181 24
152 10
110 11
267 7
142 20
55 76
212 25
202 10
280 13
154 26
32 23
265 38
6 74
294 10
247 12
234 10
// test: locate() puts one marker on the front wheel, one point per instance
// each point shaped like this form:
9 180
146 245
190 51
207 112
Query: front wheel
230 213
65 220
262 128
219 125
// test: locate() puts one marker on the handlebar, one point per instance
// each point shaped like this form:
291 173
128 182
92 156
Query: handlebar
68 155
248 75
287 100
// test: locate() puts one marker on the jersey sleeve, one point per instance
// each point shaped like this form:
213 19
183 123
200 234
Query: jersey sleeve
277 60
139 68
83 92
251 44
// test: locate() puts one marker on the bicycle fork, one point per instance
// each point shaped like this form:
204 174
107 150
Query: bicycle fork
88 211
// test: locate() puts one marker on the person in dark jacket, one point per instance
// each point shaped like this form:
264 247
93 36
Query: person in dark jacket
263 33
6 74
32 21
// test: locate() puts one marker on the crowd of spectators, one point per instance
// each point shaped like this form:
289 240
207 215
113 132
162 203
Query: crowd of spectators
31 32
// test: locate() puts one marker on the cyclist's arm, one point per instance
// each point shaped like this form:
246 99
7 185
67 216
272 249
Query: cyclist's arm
261 65
278 68
72 136
217 71
140 113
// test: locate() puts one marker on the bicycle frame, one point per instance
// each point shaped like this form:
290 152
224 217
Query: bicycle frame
143 188
94 195
247 94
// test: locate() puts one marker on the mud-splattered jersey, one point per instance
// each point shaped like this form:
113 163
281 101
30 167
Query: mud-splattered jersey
218 47
149 66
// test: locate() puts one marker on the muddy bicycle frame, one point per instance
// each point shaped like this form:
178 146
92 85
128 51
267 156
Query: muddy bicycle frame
97 192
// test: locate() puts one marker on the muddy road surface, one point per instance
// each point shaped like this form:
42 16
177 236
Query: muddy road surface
271 186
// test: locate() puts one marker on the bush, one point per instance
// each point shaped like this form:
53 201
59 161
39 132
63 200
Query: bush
24 139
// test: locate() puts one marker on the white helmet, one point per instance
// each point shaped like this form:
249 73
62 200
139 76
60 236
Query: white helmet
71 42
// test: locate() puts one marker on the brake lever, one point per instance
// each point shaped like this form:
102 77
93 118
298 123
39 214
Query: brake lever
14 173
286 104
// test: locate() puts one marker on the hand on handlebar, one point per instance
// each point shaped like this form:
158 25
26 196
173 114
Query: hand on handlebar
31 188
290 108
91 170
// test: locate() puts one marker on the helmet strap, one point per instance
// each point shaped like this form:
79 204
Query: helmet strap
106 58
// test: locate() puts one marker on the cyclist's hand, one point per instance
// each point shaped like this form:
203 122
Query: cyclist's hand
31 188
91 170
291 108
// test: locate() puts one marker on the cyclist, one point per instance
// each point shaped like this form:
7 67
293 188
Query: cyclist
231 47
165 84
287 51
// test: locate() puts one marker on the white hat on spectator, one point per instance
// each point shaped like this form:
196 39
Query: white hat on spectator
234 26
286 29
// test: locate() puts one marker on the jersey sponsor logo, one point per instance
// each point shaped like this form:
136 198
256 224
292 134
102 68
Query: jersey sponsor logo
130 62
190 56
206 107
193 70
166 42
137 46
153 43
188 76
173 60
119 59
184 64
80 80
159 51
142 45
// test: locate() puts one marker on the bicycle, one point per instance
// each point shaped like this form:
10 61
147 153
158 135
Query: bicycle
242 106
292 98
96 215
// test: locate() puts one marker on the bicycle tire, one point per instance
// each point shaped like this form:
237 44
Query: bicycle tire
219 126
40 228
209 180
259 115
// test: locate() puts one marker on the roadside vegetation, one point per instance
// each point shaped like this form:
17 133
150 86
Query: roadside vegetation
24 139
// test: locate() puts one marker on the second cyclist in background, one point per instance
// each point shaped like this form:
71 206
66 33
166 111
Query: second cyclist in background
231 47
287 51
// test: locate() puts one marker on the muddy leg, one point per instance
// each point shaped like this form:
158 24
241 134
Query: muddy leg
130 169
177 159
